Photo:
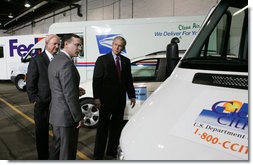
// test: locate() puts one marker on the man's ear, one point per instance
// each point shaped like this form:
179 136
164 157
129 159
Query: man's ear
123 48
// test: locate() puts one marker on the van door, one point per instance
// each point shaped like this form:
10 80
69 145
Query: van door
147 74
3 74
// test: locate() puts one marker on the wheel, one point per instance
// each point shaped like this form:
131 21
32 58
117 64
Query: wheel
20 83
90 112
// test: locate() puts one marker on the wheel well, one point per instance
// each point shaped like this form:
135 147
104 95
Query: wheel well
85 98
19 75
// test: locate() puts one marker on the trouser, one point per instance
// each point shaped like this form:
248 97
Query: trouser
41 118
64 143
112 124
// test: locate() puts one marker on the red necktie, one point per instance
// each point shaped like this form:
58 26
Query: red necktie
118 66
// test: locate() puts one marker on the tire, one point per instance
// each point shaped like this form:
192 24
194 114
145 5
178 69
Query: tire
90 112
20 83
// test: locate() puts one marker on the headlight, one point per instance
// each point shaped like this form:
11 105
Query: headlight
120 155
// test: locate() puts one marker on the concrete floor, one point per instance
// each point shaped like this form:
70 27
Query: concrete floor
17 137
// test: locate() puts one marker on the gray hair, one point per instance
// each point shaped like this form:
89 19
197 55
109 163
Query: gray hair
121 39
49 37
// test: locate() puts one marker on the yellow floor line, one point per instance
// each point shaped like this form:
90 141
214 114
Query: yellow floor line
18 111
80 154
23 105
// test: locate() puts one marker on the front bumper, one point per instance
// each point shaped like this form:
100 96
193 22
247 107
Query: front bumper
13 78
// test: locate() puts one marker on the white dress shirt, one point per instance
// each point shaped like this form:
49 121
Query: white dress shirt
49 55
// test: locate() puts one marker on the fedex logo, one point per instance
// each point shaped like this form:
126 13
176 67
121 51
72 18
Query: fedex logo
104 43
21 49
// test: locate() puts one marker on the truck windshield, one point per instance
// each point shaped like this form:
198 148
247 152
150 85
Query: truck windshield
223 44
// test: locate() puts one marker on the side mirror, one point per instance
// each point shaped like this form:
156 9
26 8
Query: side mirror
172 55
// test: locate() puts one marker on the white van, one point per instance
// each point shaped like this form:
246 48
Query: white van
201 111
144 36
12 49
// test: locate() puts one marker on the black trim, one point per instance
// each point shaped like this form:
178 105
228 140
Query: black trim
221 80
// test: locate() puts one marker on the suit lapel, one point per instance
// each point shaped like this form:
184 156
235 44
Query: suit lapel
123 66
73 66
45 58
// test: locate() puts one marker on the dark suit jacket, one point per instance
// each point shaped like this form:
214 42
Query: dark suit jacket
64 79
107 86
37 79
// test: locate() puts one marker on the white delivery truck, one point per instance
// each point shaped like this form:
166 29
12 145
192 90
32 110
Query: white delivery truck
12 49
144 36
201 111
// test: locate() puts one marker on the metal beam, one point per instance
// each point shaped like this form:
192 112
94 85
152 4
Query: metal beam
26 12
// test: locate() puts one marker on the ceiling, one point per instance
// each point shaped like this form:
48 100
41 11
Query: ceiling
23 15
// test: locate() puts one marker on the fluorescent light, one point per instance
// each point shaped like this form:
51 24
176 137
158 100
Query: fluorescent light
239 11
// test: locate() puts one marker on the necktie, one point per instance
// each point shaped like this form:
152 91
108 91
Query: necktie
118 66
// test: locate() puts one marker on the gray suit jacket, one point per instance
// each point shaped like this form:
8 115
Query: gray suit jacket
64 82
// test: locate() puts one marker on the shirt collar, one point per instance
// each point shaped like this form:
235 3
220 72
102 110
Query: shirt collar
114 56
49 55
66 54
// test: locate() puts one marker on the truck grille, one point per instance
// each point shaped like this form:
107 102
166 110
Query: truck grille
222 80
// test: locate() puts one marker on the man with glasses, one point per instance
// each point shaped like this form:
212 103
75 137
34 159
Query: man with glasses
65 111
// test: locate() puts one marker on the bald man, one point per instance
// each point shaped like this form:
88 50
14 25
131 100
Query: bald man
39 93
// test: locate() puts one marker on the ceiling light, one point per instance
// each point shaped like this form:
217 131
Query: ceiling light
42 3
27 4
10 15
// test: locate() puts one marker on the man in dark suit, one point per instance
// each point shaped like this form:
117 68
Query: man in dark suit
39 93
112 79
65 110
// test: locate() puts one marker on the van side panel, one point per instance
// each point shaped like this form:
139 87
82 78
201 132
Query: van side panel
14 48
144 36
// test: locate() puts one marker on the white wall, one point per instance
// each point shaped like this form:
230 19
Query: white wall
119 9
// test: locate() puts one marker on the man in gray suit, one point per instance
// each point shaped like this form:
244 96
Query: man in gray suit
65 111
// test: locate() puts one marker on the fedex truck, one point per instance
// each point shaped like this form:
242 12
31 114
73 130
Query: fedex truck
12 49
201 111
144 36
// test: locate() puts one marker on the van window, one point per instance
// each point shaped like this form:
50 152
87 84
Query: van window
144 70
32 53
226 48
1 52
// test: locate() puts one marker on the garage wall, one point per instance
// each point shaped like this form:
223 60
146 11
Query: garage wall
118 9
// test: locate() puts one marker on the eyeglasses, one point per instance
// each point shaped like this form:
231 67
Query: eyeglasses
77 45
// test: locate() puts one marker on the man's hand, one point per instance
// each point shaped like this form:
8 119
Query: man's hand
132 103
97 103
80 124
81 91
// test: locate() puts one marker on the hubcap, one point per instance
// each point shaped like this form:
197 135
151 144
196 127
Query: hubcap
21 83
91 114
